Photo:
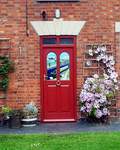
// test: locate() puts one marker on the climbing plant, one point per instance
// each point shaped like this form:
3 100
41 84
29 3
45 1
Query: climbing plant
6 66
99 89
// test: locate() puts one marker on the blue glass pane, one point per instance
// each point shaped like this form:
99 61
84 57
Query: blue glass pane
64 66
51 66
66 41
49 41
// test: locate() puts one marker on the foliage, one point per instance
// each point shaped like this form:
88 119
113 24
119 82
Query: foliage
16 112
6 66
98 90
29 111
6 110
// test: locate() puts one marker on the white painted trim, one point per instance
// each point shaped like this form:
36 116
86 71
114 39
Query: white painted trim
57 27
29 125
30 119
117 26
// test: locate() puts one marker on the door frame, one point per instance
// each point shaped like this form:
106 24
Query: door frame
42 65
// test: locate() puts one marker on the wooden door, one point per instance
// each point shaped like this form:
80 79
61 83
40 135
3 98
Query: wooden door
58 84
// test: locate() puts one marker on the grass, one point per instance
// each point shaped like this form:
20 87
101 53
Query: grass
80 141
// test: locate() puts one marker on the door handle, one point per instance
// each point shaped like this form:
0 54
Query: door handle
45 77
58 83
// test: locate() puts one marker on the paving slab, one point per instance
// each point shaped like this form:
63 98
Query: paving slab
81 126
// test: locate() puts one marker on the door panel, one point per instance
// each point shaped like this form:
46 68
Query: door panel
51 102
64 98
58 92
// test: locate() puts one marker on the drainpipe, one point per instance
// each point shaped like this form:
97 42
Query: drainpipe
26 14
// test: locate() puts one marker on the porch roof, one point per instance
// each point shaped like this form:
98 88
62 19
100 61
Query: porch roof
58 27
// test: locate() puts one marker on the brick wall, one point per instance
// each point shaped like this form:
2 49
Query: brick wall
100 16
117 42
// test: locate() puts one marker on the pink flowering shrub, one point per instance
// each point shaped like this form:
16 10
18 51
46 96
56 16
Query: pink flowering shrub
99 90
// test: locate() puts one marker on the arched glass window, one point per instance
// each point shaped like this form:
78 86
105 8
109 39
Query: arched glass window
51 66
64 66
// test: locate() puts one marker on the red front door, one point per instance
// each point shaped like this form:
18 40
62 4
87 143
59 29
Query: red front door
58 84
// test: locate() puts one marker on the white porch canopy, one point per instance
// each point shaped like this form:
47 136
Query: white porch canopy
58 27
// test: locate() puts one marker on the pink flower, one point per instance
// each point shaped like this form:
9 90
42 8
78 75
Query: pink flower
99 113
96 105
105 111
103 48
83 108
88 105
96 76
90 52
97 95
